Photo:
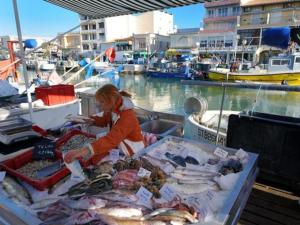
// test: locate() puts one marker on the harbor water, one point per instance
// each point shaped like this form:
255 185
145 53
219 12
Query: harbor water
168 95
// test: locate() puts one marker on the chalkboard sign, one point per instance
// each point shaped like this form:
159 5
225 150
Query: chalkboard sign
44 149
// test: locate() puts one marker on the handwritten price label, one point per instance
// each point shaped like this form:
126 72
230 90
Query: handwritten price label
144 196
114 155
168 168
221 153
167 192
143 172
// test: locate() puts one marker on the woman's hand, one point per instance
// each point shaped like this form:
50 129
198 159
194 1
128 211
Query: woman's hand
76 154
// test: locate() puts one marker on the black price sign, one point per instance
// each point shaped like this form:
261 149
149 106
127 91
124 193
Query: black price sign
44 150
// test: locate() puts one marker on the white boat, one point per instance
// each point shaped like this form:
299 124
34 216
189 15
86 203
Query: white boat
204 128
134 68
45 65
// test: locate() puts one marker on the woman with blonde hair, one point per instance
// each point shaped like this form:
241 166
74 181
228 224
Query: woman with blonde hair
125 132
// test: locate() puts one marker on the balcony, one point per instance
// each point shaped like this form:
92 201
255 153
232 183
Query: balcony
270 19
220 18
221 3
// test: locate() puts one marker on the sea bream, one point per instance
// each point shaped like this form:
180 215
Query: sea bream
15 190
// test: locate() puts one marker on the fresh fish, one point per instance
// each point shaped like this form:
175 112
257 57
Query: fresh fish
189 189
191 160
15 190
84 203
179 160
195 172
118 196
44 203
121 212
167 214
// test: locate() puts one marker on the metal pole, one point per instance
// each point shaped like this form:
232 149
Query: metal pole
23 57
221 112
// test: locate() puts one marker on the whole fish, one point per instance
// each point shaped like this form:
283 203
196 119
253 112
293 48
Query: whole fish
120 212
15 190
84 203
167 214
118 196
44 203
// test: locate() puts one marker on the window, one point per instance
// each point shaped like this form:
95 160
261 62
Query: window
94 46
275 62
298 60
223 11
211 43
285 62
142 45
101 25
203 44
236 10
210 13
85 37
228 43
85 47
280 62
93 37
92 26
84 27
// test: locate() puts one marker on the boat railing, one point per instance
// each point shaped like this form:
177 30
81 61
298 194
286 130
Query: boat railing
243 85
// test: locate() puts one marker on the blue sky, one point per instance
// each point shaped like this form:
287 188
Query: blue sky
39 18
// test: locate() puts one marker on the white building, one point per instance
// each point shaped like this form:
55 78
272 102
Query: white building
95 32
185 38
150 42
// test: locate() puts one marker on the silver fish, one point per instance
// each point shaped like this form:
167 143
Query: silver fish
172 214
118 196
15 190
44 203
84 203
121 212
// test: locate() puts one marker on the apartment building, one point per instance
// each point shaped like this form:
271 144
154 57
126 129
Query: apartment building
70 41
258 15
218 35
97 31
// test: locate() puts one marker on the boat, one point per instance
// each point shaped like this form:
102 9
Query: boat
179 70
134 68
66 65
45 65
204 128
281 69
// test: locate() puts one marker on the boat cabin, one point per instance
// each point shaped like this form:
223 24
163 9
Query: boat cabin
287 63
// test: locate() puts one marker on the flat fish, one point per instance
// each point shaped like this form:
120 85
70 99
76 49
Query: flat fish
15 190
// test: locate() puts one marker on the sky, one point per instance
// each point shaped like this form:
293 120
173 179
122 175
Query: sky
41 19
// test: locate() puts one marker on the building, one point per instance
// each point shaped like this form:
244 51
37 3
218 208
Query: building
185 39
95 32
70 42
218 36
150 42
258 15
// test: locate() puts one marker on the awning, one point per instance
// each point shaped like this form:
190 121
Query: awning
109 8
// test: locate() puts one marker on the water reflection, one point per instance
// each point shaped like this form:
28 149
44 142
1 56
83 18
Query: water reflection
168 95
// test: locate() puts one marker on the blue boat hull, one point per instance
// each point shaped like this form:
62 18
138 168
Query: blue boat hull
158 74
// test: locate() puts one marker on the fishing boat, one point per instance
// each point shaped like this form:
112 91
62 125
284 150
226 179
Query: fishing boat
282 69
45 65
179 70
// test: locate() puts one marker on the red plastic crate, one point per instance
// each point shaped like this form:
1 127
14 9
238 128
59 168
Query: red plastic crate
56 94
85 163
11 165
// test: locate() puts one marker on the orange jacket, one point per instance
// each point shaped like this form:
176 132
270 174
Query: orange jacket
124 128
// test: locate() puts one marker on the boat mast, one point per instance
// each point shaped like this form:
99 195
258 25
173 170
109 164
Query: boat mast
23 61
